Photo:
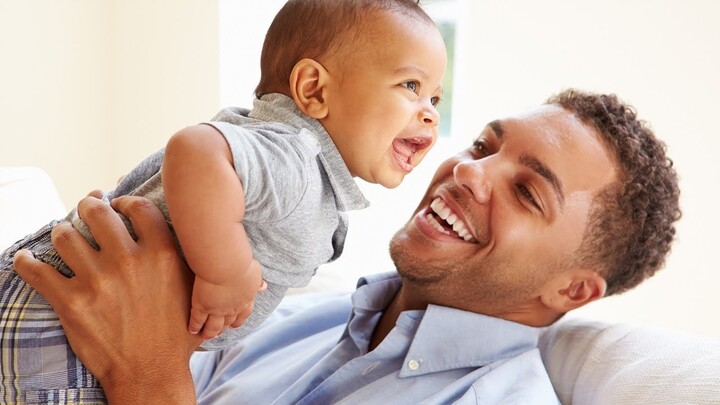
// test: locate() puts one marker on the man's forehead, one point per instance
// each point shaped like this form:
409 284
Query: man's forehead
549 123
540 110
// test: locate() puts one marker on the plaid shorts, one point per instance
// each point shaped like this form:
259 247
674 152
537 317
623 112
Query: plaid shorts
37 365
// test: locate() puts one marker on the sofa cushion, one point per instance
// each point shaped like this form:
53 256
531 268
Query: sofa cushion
28 200
593 362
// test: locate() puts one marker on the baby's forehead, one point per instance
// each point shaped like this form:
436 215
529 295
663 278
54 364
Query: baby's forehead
373 24
380 30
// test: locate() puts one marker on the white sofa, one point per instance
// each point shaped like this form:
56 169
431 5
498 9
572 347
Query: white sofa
589 362
595 363
28 200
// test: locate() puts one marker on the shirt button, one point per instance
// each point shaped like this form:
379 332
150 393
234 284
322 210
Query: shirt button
413 365
312 140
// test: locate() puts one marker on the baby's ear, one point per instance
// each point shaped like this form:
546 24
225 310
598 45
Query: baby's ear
308 81
573 289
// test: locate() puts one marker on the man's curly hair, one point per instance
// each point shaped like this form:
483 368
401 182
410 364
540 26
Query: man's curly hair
631 223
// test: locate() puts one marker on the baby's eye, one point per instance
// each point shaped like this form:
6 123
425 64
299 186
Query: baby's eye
411 85
435 101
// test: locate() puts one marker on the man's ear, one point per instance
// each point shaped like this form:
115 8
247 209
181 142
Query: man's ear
573 289
308 81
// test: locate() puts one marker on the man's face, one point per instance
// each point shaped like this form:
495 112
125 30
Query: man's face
519 200
382 94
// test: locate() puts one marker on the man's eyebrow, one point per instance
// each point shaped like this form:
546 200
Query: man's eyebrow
540 168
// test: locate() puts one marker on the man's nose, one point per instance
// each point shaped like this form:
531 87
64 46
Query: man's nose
429 114
471 178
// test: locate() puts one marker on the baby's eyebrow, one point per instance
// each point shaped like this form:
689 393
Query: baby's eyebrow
411 70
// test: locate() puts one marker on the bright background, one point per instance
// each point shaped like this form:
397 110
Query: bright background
88 88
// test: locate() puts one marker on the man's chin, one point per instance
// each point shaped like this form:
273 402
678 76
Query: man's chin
419 277
411 267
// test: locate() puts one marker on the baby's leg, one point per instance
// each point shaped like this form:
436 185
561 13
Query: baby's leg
36 362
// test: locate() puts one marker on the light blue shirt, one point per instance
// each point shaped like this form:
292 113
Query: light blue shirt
308 352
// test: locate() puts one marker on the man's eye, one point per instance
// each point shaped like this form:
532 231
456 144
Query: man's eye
412 85
527 195
480 149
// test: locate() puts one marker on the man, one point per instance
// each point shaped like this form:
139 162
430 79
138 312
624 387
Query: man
545 212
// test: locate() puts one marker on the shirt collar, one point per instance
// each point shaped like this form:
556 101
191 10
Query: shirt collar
372 296
445 338
279 107
449 338
375 291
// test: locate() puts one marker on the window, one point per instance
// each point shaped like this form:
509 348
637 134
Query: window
445 13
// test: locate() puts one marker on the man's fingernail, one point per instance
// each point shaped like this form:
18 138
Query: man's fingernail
23 252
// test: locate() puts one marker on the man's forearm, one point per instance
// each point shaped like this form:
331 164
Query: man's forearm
151 388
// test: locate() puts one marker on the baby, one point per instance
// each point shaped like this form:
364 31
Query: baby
348 89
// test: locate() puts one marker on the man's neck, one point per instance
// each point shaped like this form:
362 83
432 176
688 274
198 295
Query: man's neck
402 301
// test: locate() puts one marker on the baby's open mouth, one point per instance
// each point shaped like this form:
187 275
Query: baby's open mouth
406 148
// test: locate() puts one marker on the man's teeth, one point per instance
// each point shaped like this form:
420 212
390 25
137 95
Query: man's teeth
435 224
438 206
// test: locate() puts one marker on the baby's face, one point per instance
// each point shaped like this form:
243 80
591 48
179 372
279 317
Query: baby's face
381 96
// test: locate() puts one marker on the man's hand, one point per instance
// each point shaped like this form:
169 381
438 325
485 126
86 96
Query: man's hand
125 312
215 306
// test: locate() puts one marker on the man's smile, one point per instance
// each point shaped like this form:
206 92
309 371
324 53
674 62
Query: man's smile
445 220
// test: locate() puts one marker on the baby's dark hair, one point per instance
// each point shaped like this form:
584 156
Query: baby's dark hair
632 222
315 28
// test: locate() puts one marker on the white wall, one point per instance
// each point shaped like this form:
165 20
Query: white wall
54 82
165 74
88 88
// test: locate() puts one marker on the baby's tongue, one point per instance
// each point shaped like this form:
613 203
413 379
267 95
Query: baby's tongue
402 148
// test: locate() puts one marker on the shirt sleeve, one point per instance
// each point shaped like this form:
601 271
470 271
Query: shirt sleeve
272 165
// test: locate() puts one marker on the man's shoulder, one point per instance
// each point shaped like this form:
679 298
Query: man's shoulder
521 379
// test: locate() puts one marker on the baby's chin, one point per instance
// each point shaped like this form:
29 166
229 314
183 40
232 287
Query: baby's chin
390 180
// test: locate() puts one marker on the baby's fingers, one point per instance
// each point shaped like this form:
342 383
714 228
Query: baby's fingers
242 315
238 320
213 326
197 320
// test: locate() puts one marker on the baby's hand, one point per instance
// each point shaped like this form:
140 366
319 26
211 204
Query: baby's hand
217 306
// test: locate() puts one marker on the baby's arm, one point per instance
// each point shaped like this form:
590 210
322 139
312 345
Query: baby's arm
206 205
